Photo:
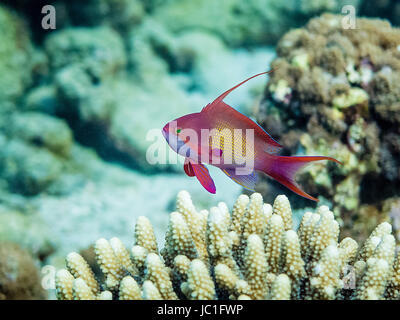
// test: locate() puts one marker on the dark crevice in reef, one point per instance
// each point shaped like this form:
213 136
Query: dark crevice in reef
374 189
389 9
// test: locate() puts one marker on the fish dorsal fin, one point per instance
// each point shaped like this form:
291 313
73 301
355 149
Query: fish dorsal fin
206 108
222 96
219 106
271 146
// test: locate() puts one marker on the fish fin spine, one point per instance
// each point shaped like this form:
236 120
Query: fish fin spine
223 95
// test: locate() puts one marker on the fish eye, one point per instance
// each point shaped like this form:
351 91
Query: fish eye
178 130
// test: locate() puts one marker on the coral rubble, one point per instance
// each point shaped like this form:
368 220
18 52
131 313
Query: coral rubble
252 252
336 92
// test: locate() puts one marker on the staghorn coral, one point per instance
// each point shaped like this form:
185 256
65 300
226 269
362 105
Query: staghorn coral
199 285
293 264
325 281
79 268
280 289
129 289
158 273
258 263
336 92
255 268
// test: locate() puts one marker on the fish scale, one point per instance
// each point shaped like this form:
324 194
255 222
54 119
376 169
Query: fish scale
240 150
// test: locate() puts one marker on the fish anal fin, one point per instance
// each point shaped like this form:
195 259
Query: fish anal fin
246 181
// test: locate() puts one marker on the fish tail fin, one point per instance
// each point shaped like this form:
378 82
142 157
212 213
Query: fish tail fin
284 169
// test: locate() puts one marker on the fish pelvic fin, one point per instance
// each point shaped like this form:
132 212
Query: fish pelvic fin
202 174
188 168
284 169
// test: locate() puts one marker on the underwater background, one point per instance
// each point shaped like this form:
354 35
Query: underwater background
77 103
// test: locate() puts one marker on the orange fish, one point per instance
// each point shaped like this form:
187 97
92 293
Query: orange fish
223 137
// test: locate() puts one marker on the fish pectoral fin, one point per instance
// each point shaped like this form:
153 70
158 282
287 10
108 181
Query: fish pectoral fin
202 174
247 181
187 166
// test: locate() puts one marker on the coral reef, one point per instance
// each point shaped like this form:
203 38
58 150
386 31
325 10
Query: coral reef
16 57
120 14
252 252
24 134
335 92
19 275
230 18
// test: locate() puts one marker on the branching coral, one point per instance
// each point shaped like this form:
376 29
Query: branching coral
253 253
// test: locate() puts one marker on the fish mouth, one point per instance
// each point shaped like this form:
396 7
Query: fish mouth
165 132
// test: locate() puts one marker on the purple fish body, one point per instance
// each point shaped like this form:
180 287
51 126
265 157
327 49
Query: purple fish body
225 138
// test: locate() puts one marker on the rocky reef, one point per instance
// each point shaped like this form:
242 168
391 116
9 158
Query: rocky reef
249 252
335 92
19 274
